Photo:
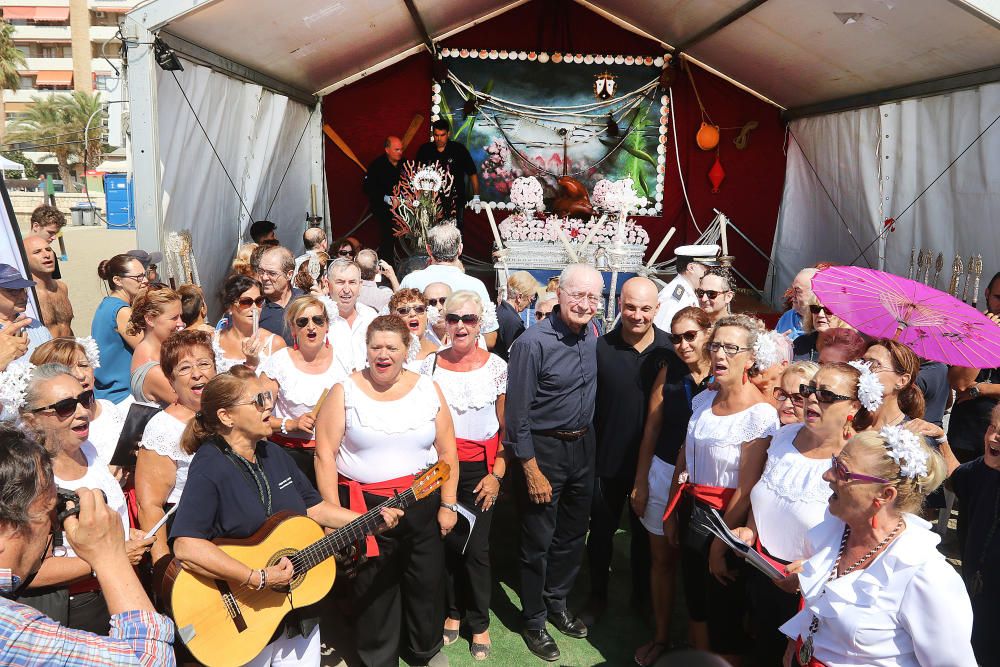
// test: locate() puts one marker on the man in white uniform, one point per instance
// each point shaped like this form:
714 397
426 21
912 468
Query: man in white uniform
692 262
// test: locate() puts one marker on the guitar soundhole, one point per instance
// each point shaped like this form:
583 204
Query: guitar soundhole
299 576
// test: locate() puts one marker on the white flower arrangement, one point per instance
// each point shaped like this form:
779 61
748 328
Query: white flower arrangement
526 194
870 390
90 349
599 196
428 179
767 350
617 196
905 449
519 227
13 385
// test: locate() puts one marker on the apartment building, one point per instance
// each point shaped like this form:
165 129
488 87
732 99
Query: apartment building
68 45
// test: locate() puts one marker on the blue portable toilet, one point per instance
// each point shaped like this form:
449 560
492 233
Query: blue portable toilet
120 201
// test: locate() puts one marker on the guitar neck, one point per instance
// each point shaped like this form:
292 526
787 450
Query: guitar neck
358 529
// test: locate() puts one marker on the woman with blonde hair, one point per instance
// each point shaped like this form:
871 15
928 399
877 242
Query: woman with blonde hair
522 290
242 264
787 397
876 590
156 313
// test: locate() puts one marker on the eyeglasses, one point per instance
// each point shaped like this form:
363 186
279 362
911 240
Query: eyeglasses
816 309
245 302
728 349
139 277
403 311
470 319
822 395
710 293
302 322
539 315
273 275
262 401
203 365
780 395
845 475
877 367
689 336
580 297
66 408
437 302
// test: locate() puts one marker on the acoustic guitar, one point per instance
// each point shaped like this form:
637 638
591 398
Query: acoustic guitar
223 623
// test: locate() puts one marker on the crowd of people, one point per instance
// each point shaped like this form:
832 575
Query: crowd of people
329 383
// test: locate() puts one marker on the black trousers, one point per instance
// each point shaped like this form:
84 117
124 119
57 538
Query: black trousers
553 534
610 497
770 607
398 595
386 239
469 577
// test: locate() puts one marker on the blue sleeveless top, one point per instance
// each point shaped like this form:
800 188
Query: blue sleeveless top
111 380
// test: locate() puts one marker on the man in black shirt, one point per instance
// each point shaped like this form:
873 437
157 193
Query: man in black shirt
551 387
455 158
381 177
628 359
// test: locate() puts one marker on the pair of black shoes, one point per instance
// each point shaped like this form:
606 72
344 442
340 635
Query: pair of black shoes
540 642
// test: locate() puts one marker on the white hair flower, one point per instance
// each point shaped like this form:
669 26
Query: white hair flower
905 449
870 390
13 385
90 349
766 351
433 315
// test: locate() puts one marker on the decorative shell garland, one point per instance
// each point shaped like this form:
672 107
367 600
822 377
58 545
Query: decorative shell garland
904 448
870 390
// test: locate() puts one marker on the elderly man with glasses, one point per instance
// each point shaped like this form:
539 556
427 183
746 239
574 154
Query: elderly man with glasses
275 274
552 384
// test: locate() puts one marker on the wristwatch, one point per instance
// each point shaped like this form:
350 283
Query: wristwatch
450 506
974 391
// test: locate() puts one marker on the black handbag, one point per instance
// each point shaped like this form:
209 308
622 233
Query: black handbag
138 416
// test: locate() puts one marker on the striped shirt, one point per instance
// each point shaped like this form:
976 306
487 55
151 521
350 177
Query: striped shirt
29 637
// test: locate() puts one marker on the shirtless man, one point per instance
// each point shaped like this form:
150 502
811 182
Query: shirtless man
53 295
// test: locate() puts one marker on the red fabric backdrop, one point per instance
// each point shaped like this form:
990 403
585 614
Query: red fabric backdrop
385 102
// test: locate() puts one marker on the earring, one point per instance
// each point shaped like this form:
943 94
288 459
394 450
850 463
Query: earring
326 342
295 346
850 418
745 377
878 506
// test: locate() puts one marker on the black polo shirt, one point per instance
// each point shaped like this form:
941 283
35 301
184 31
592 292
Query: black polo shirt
380 179
272 317
221 499
625 379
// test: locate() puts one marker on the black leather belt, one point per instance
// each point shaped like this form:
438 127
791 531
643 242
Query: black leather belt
560 434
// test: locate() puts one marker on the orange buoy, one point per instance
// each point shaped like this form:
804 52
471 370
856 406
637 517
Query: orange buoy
707 137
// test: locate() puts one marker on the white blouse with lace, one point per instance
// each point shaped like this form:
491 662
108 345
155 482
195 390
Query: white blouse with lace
299 391
908 608
471 395
106 429
791 497
224 363
163 436
714 443
97 477
384 440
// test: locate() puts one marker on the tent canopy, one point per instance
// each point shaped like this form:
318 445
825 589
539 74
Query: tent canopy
794 53
6 164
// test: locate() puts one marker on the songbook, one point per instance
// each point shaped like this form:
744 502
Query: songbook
712 522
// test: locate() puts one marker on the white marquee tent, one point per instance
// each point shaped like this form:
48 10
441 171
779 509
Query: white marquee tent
880 95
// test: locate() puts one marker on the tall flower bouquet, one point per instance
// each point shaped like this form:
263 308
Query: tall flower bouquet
417 202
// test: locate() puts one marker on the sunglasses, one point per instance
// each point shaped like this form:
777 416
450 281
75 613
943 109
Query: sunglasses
403 311
302 322
844 475
345 253
822 395
710 293
816 309
689 336
470 319
245 302
66 408
437 302
780 395
262 401
540 316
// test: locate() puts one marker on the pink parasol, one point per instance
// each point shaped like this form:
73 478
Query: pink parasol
935 325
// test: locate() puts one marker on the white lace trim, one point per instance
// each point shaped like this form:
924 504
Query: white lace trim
402 415
224 363
790 475
711 430
298 387
470 390
163 436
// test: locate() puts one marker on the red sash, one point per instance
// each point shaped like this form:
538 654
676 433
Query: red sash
479 450
813 662
292 443
715 496
356 491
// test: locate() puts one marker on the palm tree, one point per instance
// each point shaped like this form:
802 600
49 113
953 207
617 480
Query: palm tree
78 109
11 59
43 127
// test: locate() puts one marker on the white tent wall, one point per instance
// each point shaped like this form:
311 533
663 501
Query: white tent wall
874 162
257 134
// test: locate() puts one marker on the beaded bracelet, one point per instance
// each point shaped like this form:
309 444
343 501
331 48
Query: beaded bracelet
263 580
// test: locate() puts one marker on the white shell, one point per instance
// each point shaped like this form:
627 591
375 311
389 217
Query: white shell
629 60
588 59
657 61
436 98
578 58
445 52
599 60
504 53
658 196
663 129
494 54
664 100
522 55
473 54
543 57
434 117
619 60
661 149
435 108
659 206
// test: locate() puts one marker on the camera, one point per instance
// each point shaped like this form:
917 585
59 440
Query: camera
63 509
